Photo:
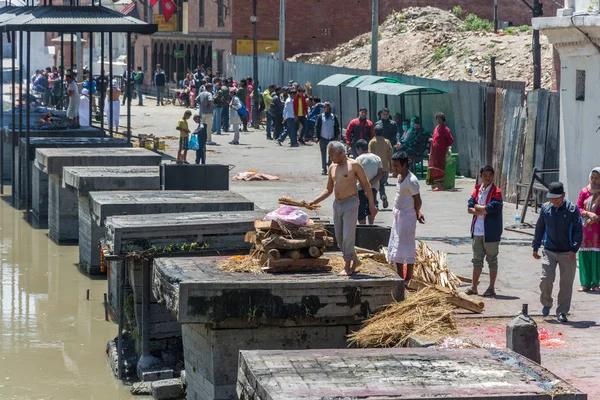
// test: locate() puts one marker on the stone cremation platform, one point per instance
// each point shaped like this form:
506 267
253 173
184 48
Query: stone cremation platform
7 138
106 204
214 232
60 205
224 312
51 142
402 374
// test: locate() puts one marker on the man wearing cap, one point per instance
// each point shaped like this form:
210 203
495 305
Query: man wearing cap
327 129
359 128
559 230
390 129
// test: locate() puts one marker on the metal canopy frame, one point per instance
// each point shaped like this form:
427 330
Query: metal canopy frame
402 90
75 20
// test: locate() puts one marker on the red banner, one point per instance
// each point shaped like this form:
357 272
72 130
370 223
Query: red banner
169 9
153 2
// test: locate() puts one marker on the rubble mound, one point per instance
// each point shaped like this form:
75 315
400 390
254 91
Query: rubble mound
433 43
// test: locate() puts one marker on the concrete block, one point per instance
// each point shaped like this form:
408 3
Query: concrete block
522 337
63 224
211 355
195 177
157 375
106 204
197 291
141 389
39 185
83 180
167 389
403 373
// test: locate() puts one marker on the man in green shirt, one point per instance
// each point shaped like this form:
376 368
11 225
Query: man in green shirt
138 79
267 98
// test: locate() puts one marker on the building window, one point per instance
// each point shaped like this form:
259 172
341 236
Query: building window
220 13
580 85
220 60
201 16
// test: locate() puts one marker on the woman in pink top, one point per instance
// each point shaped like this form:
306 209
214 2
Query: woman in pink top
589 252
442 139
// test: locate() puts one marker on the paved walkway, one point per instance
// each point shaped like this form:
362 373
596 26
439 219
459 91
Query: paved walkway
573 356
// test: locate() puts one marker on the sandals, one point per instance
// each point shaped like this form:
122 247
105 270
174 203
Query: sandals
489 293
596 289
585 289
470 292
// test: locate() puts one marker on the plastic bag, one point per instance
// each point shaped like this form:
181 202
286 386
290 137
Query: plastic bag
194 144
242 111
291 214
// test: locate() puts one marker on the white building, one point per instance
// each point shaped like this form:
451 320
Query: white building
575 34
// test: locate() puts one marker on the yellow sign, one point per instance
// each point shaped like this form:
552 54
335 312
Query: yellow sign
164 26
262 46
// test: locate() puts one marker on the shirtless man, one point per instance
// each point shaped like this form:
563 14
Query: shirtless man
113 106
343 175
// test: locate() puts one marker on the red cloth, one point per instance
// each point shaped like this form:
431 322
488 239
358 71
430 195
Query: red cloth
304 105
442 139
359 129
169 9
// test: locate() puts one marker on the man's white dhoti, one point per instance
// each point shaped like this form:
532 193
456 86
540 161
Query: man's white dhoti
113 115
402 247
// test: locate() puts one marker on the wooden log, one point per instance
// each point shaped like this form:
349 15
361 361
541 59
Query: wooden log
274 254
319 234
455 299
314 252
250 237
322 250
280 242
260 224
300 265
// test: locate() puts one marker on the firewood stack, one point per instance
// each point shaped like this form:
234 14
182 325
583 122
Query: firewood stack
282 247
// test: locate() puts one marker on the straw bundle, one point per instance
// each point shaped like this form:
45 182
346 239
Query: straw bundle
425 313
367 266
246 264
432 267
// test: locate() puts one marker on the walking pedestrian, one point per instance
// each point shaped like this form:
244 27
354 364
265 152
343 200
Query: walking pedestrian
371 163
559 230
290 121
205 107
201 134
276 111
84 108
382 147
407 211
327 130
128 84
139 81
102 83
441 141
485 205
241 93
343 176
159 81
184 137
234 116
226 100
589 252
359 128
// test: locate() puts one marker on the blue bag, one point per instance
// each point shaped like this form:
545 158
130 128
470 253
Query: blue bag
242 111
194 144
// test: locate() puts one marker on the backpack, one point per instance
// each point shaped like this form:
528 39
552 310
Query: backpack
243 112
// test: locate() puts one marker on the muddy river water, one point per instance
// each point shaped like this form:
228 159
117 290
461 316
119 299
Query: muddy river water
52 340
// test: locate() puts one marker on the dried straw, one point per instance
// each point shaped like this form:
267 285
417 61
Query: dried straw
368 266
245 264
425 313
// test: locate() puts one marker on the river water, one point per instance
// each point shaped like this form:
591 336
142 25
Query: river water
52 340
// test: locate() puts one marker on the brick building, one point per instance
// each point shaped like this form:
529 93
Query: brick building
210 29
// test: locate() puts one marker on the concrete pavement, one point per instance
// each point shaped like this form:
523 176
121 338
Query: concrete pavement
446 229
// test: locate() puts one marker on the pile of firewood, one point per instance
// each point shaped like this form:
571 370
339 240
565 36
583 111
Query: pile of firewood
432 267
282 247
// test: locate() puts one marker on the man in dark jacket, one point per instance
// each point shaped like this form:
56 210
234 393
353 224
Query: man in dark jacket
201 132
276 111
486 206
160 80
359 128
390 129
559 229
327 130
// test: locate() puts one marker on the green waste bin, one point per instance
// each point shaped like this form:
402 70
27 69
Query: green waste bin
450 168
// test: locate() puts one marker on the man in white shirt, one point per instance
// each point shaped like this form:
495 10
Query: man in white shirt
290 120
407 211
373 167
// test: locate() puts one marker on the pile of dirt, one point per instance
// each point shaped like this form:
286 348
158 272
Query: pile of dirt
432 43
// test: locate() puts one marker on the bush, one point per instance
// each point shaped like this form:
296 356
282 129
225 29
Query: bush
457 11
511 30
442 52
524 28
476 24
491 45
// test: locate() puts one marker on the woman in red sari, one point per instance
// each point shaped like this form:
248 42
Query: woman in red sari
442 139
